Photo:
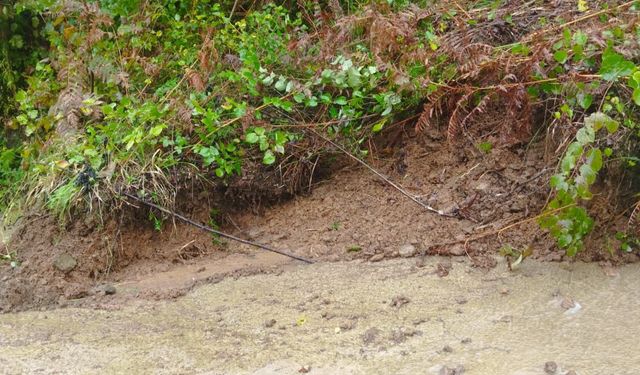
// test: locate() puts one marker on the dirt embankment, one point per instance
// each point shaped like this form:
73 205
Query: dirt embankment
352 214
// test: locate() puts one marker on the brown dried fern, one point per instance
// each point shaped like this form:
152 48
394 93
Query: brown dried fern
633 225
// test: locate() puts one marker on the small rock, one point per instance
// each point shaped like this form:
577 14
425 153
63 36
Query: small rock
398 336
370 336
399 301
457 250
109 289
269 323
482 186
466 340
550 368
567 303
442 269
347 326
254 233
377 257
407 251
65 263
304 369
446 370
461 300
447 349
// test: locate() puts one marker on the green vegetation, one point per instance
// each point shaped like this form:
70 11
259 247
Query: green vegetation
108 95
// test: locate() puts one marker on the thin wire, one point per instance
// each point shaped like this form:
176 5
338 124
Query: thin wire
211 230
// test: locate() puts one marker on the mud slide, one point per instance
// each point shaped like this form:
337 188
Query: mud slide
403 316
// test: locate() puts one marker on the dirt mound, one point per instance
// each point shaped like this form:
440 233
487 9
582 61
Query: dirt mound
353 214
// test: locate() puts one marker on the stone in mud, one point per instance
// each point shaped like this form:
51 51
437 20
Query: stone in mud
65 263
407 251
457 250
399 301
550 368
370 336
442 269
446 370
567 303
269 323
377 257
109 289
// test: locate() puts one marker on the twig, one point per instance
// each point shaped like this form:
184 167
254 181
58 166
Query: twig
211 230
580 19
498 231
391 183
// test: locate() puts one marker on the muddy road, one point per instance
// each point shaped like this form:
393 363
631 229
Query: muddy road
405 316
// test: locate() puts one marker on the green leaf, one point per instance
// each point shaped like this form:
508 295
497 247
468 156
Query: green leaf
269 158
565 240
21 96
379 125
594 158
574 151
251 138
299 97
341 100
636 96
289 87
584 100
561 56
587 175
598 120
612 126
586 135
281 84
558 182
580 38
157 130
615 65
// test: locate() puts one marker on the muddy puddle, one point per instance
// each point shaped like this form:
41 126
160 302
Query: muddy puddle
400 316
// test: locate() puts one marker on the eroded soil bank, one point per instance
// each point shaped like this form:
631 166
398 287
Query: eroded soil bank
404 316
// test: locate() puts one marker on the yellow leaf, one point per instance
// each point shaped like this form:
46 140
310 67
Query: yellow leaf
301 320
68 32
62 164
582 5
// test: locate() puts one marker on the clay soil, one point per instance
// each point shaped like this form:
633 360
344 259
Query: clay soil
352 214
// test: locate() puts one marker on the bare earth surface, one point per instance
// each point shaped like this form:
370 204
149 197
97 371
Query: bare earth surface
402 316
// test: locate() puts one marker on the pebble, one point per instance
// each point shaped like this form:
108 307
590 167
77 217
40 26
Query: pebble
65 263
550 367
457 250
377 258
109 289
371 335
269 323
399 301
407 251
446 370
